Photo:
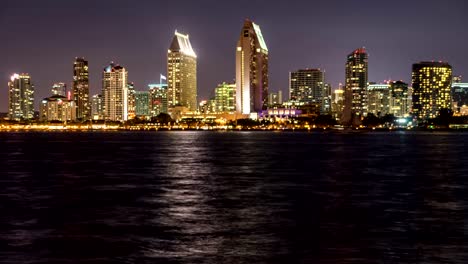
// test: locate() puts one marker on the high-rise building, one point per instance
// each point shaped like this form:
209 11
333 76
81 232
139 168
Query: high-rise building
115 92
251 70
275 98
459 96
81 89
182 73
306 86
21 97
57 108
431 88
225 98
338 103
378 96
327 99
131 112
59 89
142 103
399 95
97 107
356 85
158 99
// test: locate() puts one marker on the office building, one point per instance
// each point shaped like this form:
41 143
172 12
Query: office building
115 92
225 98
131 101
378 99
181 73
59 89
142 103
158 99
81 89
97 107
399 99
338 103
432 83
20 97
251 70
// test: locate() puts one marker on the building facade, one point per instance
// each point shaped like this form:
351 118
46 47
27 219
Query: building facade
356 85
81 89
251 70
97 107
432 83
378 99
275 98
337 103
142 103
57 108
306 86
115 93
158 99
59 89
225 98
131 112
181 73
399 99
20 97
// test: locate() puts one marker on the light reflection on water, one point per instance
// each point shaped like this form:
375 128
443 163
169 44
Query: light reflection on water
205 197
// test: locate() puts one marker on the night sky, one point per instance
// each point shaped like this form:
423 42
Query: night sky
43 38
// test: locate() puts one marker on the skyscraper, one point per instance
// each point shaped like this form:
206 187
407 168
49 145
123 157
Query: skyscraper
431 88
81 89
251 70
225 98
356 85
158 99
131 100
182 73
97 107
21 97
378 99
399 103
306 86
115 93
142 103
59 89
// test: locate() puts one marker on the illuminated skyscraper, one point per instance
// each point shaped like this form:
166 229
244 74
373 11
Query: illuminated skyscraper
399 103
431 88
337 103
59 89
182 73
131 112
97 107
142 103
115 92
378 96
356 85
81 89
306 86
251 70
21 97
158 99
225 98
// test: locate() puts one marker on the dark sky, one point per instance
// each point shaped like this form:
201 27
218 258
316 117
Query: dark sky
43 37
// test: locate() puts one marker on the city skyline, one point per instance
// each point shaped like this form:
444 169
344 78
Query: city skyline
393 45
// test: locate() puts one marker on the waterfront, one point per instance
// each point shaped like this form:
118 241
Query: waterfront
233 197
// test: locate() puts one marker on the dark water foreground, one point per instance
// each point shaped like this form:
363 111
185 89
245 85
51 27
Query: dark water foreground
233 197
